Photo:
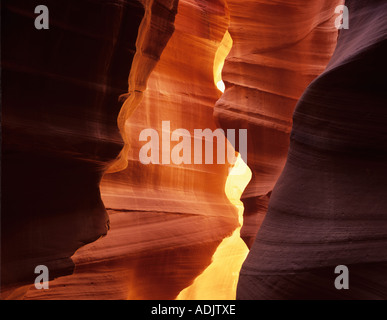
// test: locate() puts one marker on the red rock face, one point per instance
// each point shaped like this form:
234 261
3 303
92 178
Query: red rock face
59 125
186 200
328 206
166 221
278 49
181 211
76 197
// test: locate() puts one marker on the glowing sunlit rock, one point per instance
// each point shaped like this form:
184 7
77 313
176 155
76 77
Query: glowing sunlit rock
220 85
278 48
219 280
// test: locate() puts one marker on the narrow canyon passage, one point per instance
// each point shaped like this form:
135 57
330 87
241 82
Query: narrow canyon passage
116 174
219 280
166 221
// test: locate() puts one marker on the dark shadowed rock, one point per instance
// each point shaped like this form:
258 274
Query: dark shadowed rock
328 208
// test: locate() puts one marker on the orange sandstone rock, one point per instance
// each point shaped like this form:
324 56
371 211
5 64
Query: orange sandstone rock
166 221
278 49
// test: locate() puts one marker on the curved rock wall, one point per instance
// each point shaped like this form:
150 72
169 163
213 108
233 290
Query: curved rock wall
60 104
278 49
77 97
328 208
166 221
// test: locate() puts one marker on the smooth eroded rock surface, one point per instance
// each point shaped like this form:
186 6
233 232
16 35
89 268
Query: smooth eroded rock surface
166 221
279 47
328 208
60 102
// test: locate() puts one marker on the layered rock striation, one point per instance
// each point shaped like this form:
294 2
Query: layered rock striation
278 49
60 103
77 197
166 220
328 208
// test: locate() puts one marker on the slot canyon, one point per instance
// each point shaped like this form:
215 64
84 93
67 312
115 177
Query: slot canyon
308 195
